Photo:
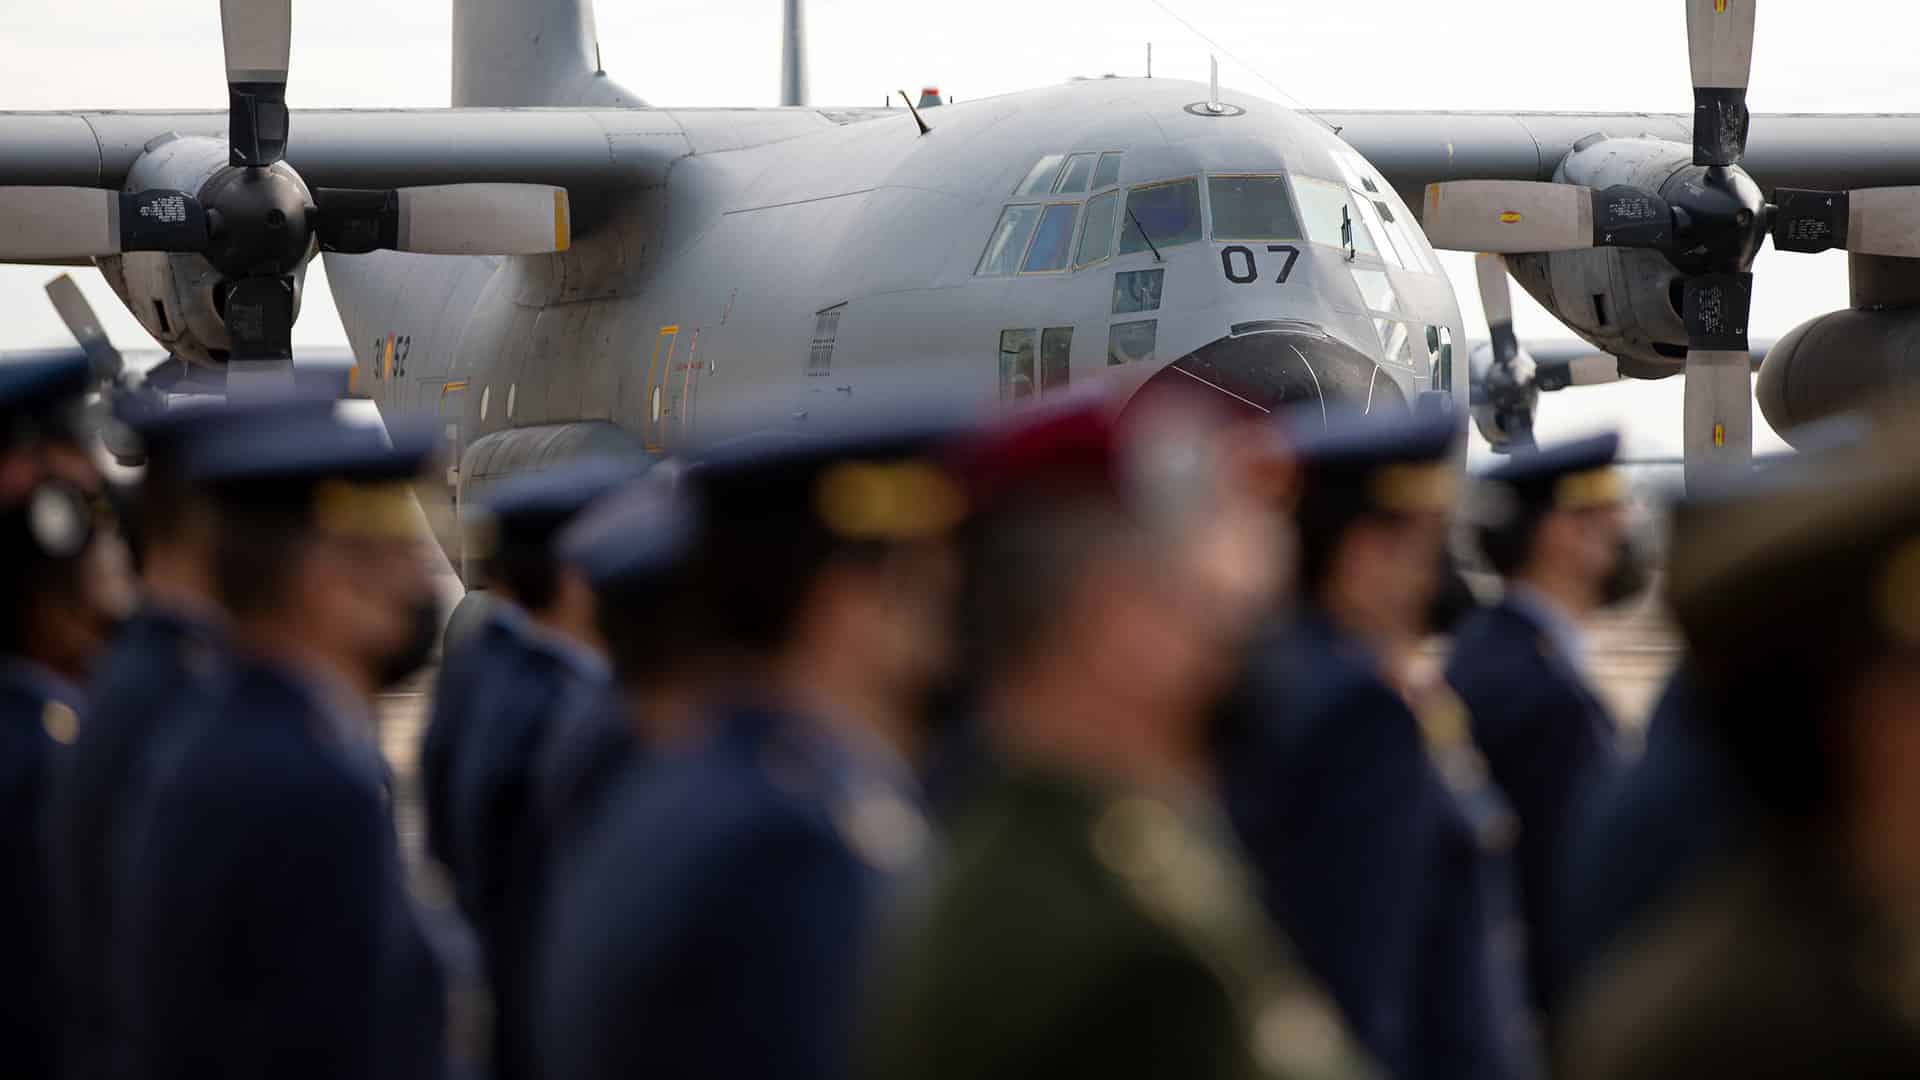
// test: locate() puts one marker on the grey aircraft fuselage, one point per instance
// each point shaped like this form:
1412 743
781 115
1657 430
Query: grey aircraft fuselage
803 262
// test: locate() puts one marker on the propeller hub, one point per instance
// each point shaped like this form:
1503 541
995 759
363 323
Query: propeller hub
1720 219
259 220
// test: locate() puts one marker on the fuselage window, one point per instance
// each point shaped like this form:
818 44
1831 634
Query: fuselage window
1052 240
1073 179
826 327
1167 213
1016 364
1096 236
1376 290
1108 173
1009 240
1056 350
1131 342
1252 208
1137 290
1040 180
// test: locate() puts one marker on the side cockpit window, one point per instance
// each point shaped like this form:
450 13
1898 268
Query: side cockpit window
1252 208
1009 240
1160 216
1052 241
1036 236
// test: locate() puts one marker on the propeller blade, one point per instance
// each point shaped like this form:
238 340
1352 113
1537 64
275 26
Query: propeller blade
258 37
1720 46
259 318
1490 272
1593 369
456 219
1870 221
40 224
1719 392
85 326
1518 216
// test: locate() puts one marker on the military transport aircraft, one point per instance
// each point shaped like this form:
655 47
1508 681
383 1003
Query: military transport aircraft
550 264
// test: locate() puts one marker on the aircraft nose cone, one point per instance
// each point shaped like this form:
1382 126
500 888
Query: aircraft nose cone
1266 370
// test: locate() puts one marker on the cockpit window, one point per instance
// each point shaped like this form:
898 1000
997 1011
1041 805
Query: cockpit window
1051 240
1168 213
1378 229
1252 208
1040 180
1108 174
1326 210
1073 179
1009 240
1096 236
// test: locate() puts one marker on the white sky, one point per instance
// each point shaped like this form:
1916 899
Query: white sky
1477 54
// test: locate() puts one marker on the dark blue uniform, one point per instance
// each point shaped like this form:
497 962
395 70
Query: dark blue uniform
162 663
1368 860
38 711
264 910
1647 834
586 754
495 708
717 924
1546 737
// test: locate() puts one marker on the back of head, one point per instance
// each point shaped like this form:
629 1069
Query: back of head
635 548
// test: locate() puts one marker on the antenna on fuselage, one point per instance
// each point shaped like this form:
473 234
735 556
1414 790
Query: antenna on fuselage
916 112
1149 59
793 57
1213 88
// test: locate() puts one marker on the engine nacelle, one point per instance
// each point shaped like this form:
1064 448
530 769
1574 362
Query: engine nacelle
1838 362
1622 301
177 297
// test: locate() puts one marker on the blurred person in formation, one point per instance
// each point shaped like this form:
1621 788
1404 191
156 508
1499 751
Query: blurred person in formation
635 550
264 917
65 584
166 658
1646 835
1674 814
1095 919
718 918
536 656
1798 594
1381 847
1551 523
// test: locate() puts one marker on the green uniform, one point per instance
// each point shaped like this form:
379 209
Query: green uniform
1098 933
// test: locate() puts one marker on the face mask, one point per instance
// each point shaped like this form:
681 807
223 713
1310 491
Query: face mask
397 666
1632 569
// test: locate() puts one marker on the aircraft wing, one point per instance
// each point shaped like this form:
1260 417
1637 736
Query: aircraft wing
584 150
1798 150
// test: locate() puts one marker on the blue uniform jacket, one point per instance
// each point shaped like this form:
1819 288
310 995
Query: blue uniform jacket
264 912
497 704
160 664
718 920
37 711
1367 860
1647 834
1546 737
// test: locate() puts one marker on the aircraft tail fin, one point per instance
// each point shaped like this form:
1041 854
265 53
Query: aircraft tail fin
530 52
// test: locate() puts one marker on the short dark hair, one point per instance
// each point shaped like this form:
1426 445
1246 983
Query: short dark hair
1508 546
650 630
527 573
257 547
1022 566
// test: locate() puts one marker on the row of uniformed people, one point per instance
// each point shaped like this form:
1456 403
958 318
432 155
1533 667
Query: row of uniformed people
710 852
